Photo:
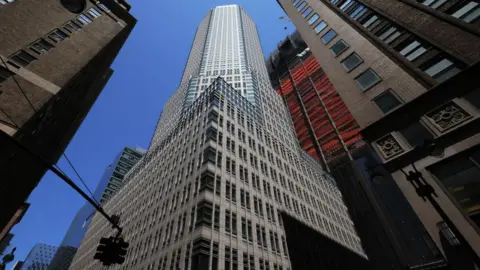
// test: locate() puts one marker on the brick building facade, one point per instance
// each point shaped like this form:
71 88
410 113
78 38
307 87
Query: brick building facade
406 70
54 62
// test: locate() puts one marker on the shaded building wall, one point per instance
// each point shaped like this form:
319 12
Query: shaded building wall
391 233
45 100
309 249
425 57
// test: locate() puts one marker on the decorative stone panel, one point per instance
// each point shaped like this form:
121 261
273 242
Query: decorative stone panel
389 147
448 116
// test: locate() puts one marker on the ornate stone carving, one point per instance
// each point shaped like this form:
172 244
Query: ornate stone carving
389 147
448 116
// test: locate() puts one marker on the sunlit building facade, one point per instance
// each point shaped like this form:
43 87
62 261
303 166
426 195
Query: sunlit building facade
223 171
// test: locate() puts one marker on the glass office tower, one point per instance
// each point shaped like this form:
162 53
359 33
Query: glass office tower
224 171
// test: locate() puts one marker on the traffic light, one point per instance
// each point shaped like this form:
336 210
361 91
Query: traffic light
104 251
111 251
120 250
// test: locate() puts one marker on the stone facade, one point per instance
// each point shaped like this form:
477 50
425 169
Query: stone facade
211 191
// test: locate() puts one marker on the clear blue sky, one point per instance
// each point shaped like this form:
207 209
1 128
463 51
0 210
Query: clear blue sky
147 71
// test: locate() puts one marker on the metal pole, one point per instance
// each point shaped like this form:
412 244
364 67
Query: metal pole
66 180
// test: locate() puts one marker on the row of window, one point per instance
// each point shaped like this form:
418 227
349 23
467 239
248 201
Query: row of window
205 255
168 184
440 67
467 10
24 57
366 79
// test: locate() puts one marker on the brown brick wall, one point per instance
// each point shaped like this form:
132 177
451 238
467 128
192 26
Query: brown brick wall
24 22
359 103
450 38
14 103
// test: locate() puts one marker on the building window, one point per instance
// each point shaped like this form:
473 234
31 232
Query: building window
320 27
94 12
84 20
72 27
347 4
352 61
204 214
328 36
301 6
339 47
367 79
22 58
358 11
313 19
41 46
387 101
307 12
442 70
412 50
57 35
460 175
416 134
390 34
433 3
295 2
468 12
370 21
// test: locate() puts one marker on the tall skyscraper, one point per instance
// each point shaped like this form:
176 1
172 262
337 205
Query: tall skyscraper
39 257
54 62
111 181
224 171
407 72
393 236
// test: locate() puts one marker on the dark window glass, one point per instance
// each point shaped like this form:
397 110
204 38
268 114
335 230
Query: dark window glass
367 79
416 134
22 58
339 47
387 101
41 46
461 177
328 36
352 61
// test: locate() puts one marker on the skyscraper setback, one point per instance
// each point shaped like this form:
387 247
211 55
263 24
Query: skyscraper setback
224 170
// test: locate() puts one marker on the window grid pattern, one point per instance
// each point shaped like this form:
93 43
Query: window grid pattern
190 177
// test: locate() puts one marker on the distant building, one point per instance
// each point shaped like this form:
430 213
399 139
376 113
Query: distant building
39 257
55 60
13 220
5 242
17 266
111 182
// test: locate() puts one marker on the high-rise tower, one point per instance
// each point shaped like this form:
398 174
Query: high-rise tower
224 171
